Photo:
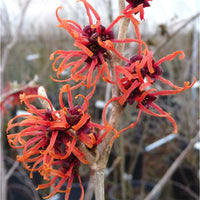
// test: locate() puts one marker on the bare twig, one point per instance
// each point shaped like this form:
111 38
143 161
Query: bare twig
159 186
15 38
23 175
140 149
186 189
114 165
11 170
175 33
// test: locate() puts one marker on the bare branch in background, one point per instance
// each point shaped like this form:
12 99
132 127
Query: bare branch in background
11 170
5 21
21 174
175 33
15 38
4 59
115 163
157 189
186 189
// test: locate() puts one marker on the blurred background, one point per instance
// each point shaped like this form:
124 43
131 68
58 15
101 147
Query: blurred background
29 35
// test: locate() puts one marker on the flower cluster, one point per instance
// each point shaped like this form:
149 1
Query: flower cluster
51 138
136 81
95 43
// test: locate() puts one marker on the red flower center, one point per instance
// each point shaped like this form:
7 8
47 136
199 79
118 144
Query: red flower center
66 163
147 100
145 71
135 3
93 34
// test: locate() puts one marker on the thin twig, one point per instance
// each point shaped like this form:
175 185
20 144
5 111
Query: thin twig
175 33
114 165
139 150
11 170
186 189
159 186
25 178
15 38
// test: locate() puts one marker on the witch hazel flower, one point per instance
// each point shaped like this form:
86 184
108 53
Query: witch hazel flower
136 3
79 119
136 6
64 170
50 138
46 133
94 41
136 80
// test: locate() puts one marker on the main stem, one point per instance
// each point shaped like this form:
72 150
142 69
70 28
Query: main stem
117 110
99 184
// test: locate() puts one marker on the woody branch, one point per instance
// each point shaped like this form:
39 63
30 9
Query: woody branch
117 110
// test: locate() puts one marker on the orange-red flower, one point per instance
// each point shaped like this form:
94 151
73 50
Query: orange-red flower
135 3
136 80
135 6
94 41
49 139
63 170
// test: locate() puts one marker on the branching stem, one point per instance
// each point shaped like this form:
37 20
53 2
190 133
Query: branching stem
116 113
